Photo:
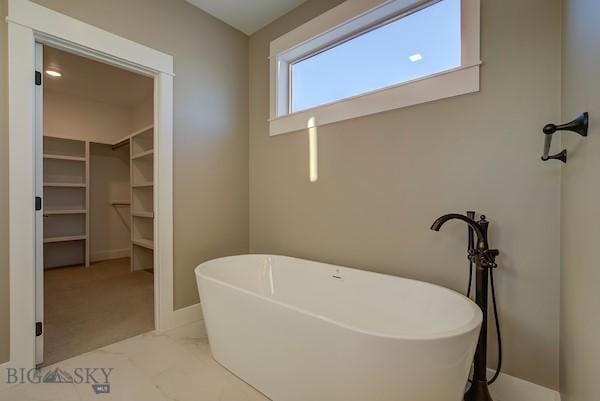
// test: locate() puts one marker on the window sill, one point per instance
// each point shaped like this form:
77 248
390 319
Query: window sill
459 81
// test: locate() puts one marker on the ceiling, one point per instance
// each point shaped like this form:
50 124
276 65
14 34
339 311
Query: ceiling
93 80
247 16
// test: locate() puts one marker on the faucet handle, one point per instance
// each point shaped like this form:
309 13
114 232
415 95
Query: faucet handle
493 252
489 258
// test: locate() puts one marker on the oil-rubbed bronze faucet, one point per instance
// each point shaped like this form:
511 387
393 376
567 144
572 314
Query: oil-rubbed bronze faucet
484 259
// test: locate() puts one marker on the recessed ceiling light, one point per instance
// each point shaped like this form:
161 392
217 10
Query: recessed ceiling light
416 57
53 73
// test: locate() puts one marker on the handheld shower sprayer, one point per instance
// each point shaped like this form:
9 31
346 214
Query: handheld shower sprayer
579 125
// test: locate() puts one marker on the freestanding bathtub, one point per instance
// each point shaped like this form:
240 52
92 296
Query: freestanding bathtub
298 330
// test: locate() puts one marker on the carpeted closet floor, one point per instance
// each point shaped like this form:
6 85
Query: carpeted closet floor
88 308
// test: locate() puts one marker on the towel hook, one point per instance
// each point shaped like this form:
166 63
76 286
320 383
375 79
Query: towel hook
580 126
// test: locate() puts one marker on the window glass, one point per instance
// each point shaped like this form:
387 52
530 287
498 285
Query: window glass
418 45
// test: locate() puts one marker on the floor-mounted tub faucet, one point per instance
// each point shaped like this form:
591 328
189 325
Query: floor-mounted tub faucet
484 259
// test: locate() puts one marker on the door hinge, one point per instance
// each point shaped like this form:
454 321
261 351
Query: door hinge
38 328
38 203
38 78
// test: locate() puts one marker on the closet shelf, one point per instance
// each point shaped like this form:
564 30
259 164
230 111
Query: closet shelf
144 243
149 215
143 154
141 131
62 157
142 184
64 185
146 184
66 179
121 143
66 211
125 141
51 240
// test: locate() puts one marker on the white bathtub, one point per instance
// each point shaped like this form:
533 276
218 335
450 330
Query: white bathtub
298 330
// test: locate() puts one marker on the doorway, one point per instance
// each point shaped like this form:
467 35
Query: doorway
29 23
95 232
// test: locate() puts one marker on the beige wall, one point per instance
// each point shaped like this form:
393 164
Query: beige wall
580 279
143 115
385 178
211 122
210 129
80 118
4 328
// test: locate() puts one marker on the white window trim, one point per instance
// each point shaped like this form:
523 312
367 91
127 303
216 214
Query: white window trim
344 20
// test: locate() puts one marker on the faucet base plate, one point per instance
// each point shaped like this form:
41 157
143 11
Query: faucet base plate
478 392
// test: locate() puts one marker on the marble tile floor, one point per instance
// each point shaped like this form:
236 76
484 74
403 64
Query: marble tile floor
169 366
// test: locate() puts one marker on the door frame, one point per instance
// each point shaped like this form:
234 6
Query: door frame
39 214
29 23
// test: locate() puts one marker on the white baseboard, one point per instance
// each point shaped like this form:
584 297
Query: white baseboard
510 388
110 254
183 316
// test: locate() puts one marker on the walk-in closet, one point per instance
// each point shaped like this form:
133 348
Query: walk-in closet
98 204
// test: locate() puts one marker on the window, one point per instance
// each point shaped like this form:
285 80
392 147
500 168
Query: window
420 44
357 59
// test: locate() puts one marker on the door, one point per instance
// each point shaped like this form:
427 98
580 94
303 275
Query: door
39 214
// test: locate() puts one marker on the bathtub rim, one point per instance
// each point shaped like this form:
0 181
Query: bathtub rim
477 320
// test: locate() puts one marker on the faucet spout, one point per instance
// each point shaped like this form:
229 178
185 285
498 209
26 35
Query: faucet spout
482 243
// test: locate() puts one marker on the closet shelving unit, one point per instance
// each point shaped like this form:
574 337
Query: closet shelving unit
141 147
66 196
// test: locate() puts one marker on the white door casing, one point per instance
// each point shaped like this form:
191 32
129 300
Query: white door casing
39 213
